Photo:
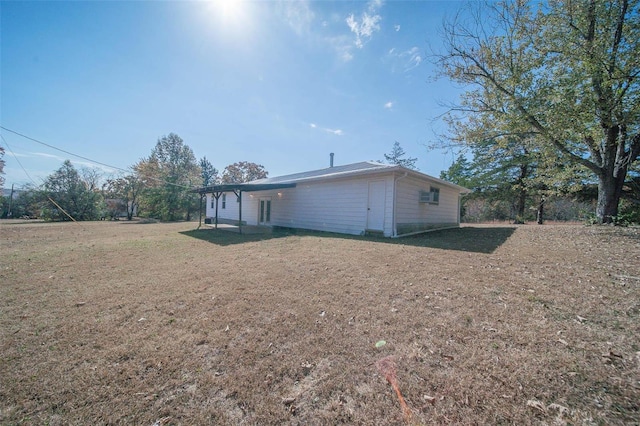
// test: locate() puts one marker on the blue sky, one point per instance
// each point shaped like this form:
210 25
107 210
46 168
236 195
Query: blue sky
279 83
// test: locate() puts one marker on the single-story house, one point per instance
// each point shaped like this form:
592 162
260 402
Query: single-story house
366 197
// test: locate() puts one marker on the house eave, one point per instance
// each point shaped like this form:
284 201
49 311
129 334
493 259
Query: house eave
242 187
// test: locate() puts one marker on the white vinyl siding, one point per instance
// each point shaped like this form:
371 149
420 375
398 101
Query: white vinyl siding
412 214
331 206
231 207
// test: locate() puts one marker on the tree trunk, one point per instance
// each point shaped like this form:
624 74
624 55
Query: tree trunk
541 211
520 207
521 202
609 192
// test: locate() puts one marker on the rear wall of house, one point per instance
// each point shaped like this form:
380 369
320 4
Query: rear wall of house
412 215
331 206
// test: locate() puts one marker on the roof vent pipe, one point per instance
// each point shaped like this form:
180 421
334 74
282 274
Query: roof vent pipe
331 160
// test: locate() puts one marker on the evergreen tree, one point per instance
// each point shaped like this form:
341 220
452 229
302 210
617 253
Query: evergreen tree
396 157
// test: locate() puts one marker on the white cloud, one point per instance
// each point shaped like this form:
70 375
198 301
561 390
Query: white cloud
346 56
298 15
367 24
18 154
388 105
397 28
75 162
413 58
342 45
337 132
45 155
408 59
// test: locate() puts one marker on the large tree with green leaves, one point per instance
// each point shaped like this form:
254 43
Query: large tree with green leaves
243 171
68 194
168 175
125 191
565 72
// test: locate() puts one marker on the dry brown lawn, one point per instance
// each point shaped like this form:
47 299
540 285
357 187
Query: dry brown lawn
160 324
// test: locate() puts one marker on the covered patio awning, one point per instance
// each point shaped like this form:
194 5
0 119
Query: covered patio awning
242 187
238 189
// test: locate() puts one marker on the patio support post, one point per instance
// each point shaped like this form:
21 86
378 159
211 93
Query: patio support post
200 210
217 195
240 214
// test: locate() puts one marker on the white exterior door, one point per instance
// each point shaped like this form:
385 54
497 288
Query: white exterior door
375 205
264 211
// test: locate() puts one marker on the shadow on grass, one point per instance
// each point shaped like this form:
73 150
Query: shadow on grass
477 240
470 239
225 237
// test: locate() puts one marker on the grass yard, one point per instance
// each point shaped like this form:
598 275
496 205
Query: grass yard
160 324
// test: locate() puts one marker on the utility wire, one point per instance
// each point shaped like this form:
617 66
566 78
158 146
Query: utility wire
16 158
85 158
62 150
31 179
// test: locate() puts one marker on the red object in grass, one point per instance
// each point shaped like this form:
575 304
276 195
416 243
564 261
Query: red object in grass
387 366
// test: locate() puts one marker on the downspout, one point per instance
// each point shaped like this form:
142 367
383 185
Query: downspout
395 192
200 210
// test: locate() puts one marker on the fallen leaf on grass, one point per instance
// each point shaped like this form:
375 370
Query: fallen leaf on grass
613 354
559 408
564 342
609 357
429 399
289 400
161 422
537 405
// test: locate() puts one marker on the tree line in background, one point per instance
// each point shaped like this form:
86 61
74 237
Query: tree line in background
159 186
510 182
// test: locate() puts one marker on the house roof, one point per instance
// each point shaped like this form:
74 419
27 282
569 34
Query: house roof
349 170
329 172
336 172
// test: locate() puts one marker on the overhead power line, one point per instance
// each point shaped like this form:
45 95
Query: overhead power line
34 182
62 150
18 161
85 158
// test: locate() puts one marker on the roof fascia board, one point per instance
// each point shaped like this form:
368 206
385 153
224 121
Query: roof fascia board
420 175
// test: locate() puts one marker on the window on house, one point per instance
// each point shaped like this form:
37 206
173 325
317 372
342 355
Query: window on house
435 195
224 201
213 202
431 197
